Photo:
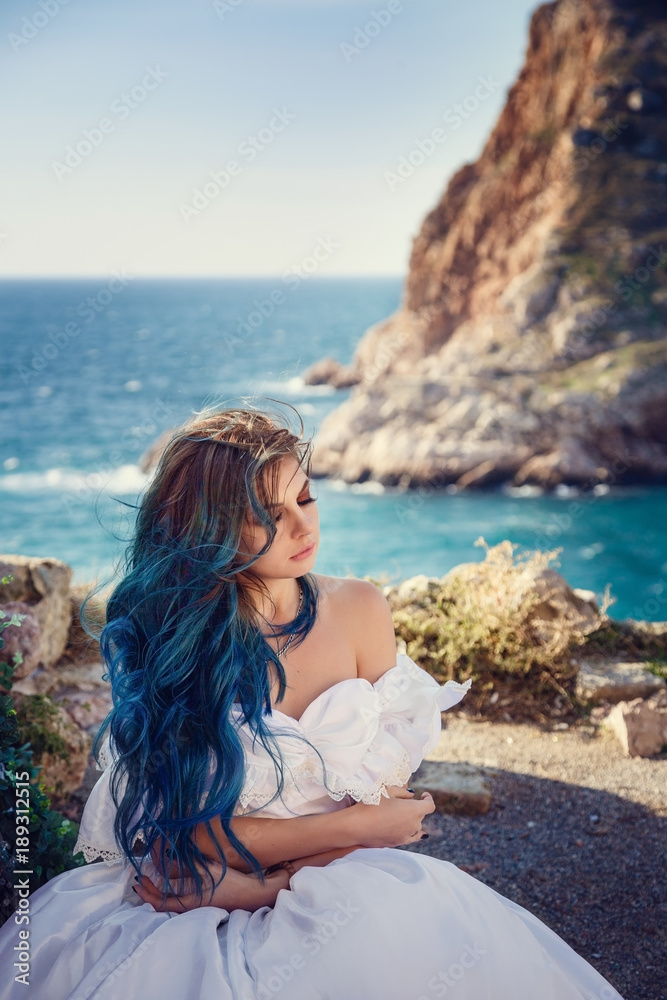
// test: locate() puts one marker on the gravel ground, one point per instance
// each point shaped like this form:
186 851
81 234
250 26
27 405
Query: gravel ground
576 833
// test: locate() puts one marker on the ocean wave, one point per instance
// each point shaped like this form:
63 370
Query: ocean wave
295 386
125 479
527 490
370 486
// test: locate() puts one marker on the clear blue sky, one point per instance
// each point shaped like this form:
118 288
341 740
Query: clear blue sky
220 72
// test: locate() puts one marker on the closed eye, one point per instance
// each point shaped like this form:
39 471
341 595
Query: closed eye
301 503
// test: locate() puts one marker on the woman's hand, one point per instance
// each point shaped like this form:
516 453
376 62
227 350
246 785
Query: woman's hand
399 791
395 821
236 891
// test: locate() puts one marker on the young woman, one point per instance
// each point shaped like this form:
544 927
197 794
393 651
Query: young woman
262 733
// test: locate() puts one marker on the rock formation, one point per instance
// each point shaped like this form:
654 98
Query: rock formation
531 342
328 371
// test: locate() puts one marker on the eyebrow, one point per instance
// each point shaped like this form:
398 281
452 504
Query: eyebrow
305 483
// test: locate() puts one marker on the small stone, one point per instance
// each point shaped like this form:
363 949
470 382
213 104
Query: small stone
641 725
456 788
615 680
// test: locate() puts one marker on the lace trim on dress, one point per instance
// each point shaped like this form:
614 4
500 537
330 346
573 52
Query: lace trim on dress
337 787
91 853
396 773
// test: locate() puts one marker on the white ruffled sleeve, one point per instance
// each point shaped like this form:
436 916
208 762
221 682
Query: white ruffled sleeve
403 716
96 837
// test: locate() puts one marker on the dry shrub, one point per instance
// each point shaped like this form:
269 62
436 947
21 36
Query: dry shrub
508 622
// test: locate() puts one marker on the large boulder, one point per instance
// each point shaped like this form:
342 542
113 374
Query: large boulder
44 585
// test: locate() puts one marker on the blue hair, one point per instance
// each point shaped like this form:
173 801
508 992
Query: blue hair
182 643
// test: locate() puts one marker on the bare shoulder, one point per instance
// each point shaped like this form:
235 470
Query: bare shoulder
359 597
361 610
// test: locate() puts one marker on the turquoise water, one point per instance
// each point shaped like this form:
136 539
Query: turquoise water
81 402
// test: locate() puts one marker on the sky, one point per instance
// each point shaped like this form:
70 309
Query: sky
235 137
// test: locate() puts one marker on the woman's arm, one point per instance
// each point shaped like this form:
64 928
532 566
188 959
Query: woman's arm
392 823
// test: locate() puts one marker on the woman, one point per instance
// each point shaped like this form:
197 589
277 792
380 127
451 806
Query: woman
262 720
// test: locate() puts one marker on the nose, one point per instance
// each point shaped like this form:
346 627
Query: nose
305 521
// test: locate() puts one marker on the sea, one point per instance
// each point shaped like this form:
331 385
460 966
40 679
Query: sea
92 371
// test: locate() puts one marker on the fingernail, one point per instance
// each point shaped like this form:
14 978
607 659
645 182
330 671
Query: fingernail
411 789
425 836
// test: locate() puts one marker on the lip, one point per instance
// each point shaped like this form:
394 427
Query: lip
305 552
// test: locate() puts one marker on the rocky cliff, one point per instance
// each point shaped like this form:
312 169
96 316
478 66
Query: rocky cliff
531 342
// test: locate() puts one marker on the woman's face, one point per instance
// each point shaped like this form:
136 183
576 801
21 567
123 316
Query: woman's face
295 515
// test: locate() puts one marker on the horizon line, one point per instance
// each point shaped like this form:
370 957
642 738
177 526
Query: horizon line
190 277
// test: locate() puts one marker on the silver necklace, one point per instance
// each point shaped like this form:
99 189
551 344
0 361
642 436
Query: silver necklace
290 638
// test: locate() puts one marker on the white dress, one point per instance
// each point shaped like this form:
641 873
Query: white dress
378 924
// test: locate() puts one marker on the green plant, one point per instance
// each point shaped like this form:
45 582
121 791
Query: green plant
486 619
658 667
546 135
7 669
47 849
503 624
38 719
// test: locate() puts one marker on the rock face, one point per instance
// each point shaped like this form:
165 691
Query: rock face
43 584
328 371
23 639
531 343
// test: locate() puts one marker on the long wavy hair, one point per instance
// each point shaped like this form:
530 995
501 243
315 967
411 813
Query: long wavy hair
183 643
